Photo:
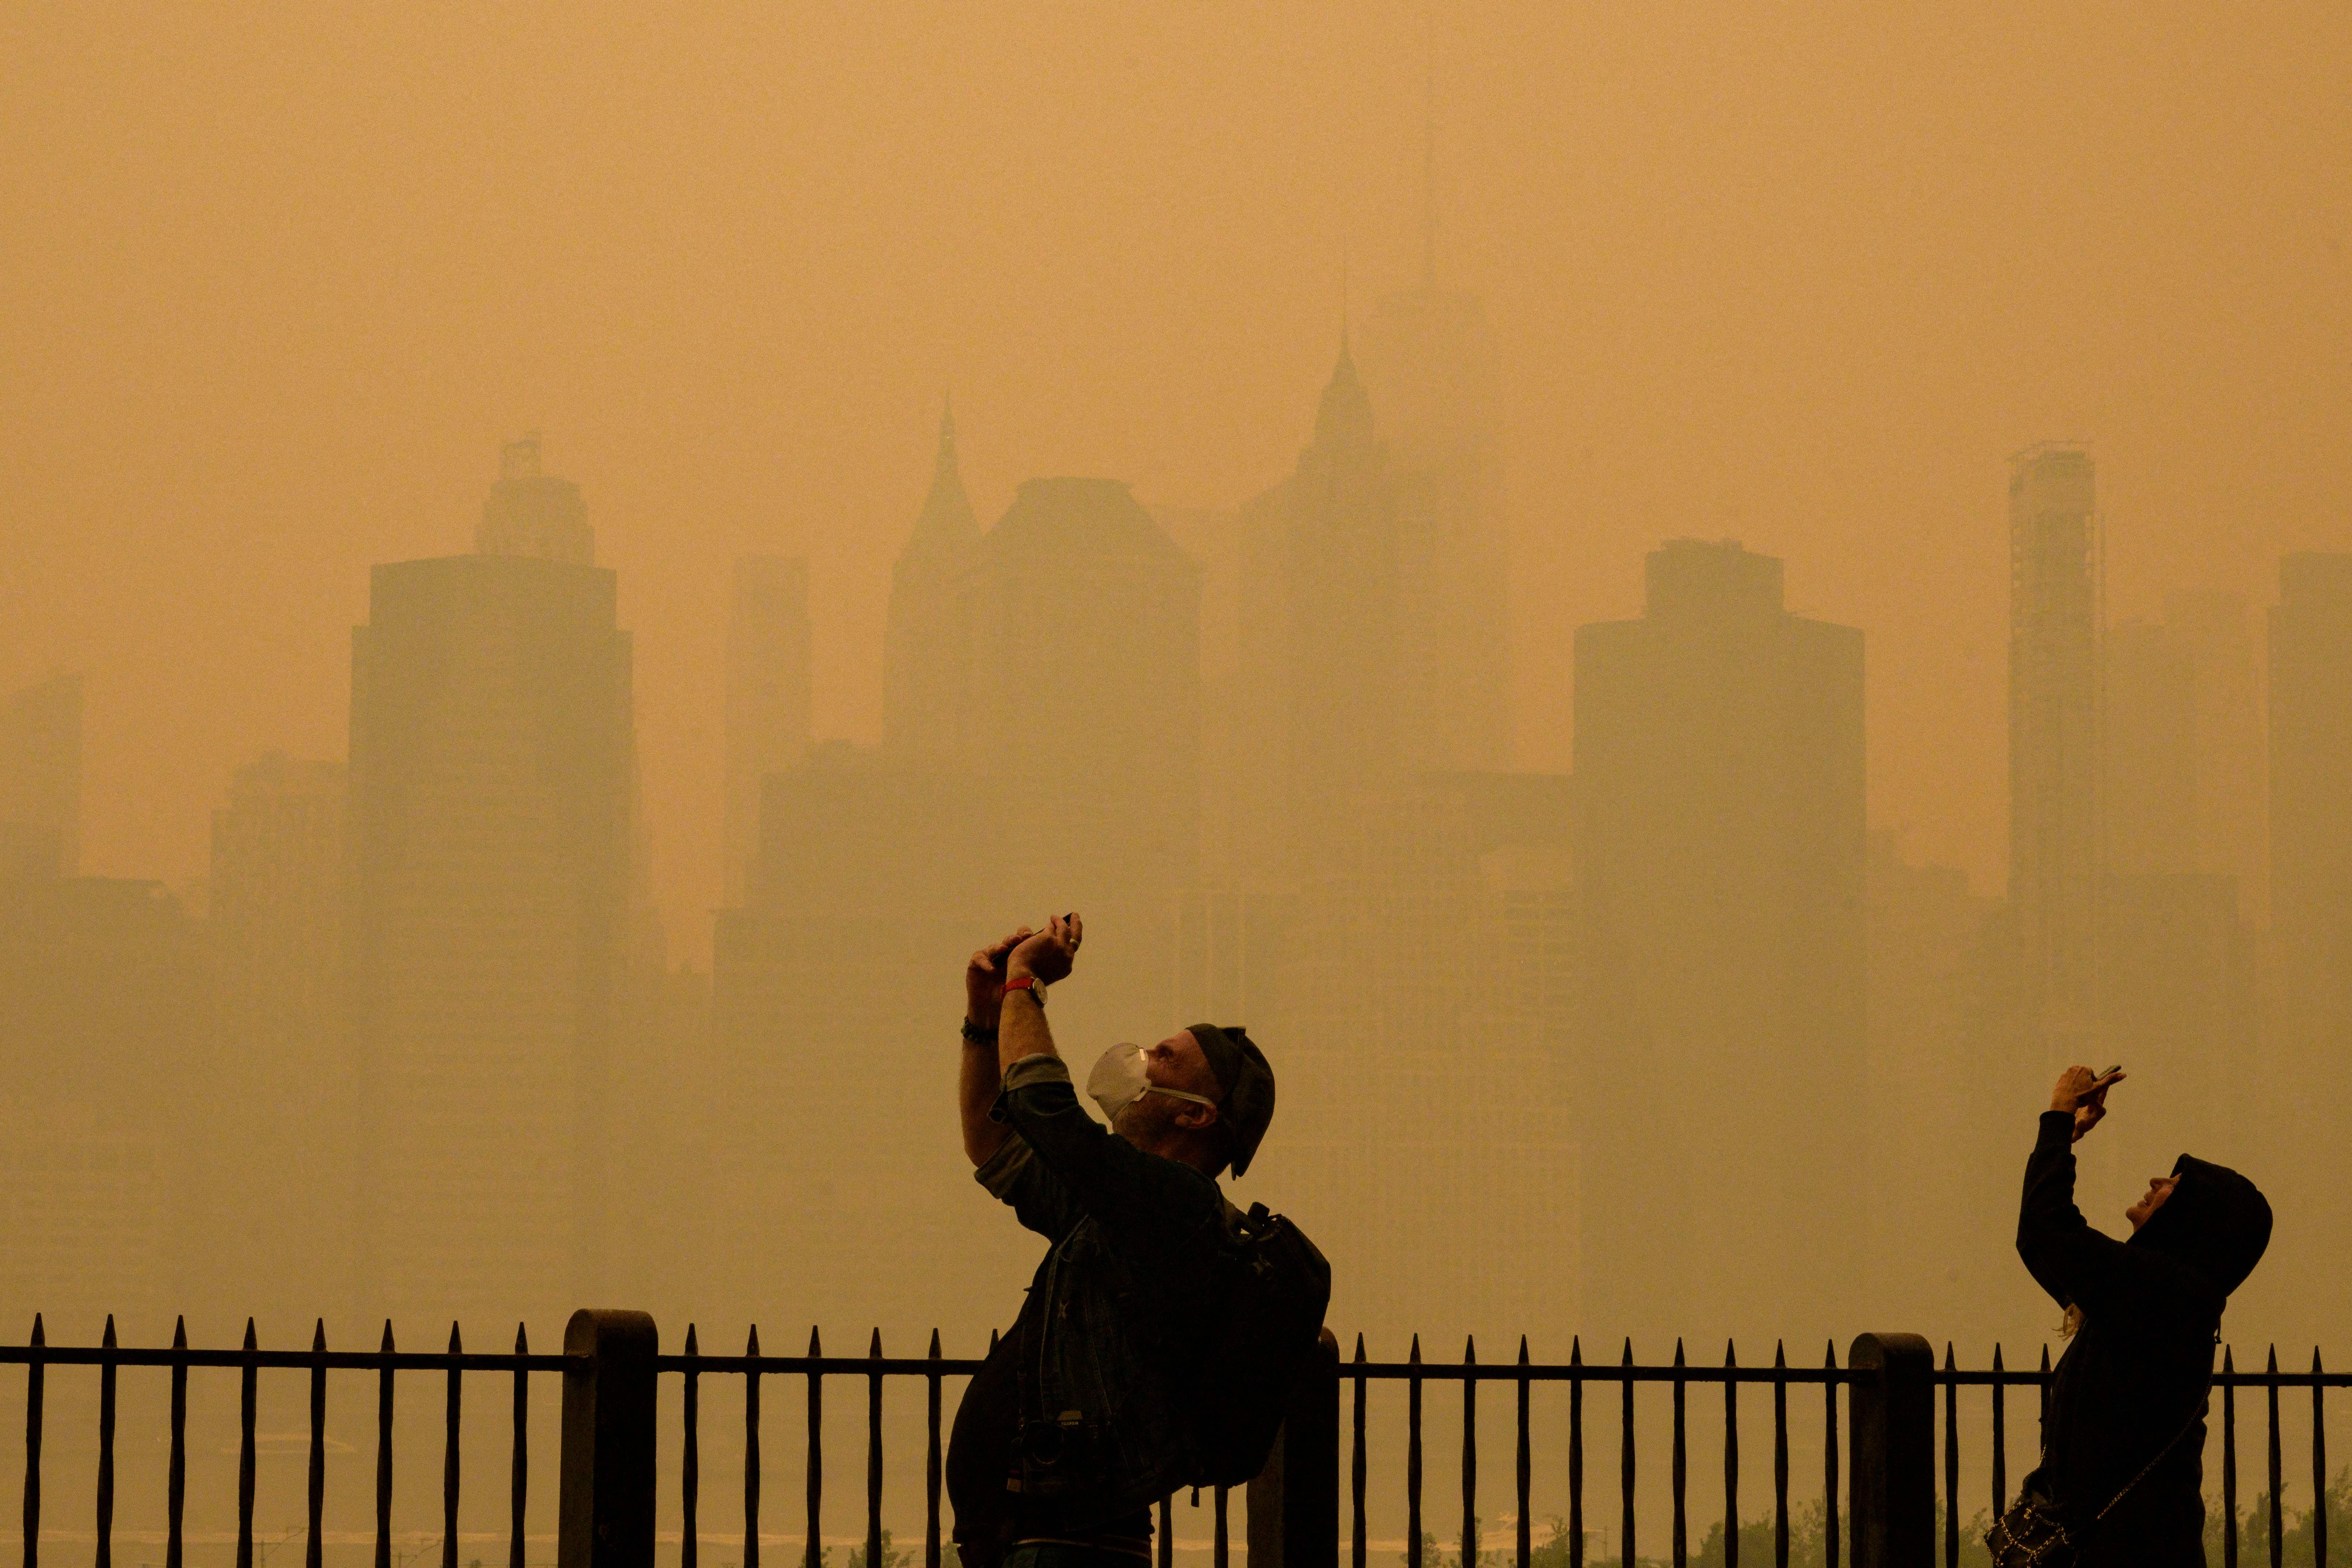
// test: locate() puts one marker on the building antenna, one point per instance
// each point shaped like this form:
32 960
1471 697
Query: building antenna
1343 299
1429 157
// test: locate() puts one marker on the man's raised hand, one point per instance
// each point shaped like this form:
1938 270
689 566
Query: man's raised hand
984 977
1046 956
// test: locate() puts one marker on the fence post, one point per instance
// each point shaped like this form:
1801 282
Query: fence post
1891 1413
1294 1503
607 1482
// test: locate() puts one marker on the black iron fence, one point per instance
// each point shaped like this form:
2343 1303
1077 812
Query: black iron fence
1879 1451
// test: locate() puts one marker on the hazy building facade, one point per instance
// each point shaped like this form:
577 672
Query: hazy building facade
40 779
2231 809
1084 687
490 923
2053 767
926 646
274 930
2311 864
1720 859
768 697
1428 360
103 1003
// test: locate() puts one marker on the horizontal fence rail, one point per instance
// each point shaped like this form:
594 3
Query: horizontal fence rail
611 1367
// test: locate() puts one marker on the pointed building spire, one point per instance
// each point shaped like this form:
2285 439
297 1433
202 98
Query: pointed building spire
946 522
1344 418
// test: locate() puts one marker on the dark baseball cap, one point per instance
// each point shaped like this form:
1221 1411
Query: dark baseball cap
1245 1081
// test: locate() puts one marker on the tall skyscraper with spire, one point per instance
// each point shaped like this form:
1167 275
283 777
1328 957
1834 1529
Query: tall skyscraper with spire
1428 362
926 645
2054 759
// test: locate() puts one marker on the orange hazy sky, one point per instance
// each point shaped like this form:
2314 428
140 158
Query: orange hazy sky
279 279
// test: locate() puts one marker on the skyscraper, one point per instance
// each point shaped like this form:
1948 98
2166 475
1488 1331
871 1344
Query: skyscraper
1428 362
103 1089
2148 751
1345 583
2053 770
528 513
767 696
490 833
2233 812
924 652
2311 801
2175 980
1721 866
275 925
40 779
1085 682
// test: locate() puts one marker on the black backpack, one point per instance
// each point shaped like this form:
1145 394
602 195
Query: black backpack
1275 1285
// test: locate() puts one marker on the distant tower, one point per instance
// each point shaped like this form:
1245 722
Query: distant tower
1721 859
767 696
275 925
2310 802
532 513
492 771
925 644
40 779
1428 362
2053 767
1102 794
1340 518
2231 809
2148 752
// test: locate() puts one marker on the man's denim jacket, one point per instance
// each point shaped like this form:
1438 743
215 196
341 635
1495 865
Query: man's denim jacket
1114 1315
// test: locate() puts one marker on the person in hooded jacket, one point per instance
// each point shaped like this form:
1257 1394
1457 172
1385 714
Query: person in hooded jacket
2124 1441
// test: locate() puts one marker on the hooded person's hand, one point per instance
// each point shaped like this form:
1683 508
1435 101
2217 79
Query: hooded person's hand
2083 1094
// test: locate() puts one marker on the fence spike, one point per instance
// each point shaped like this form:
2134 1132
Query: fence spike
108 1338
1470 1350
522 1346
1779 1352
1678 1350
251 1343
1415 1356
179 1333
815 1349
874 1348
387 1336
1523 1350
752 1344
39 1338
317 1333
1629 1353
690 1349
934 1344
1359 1345
455 1348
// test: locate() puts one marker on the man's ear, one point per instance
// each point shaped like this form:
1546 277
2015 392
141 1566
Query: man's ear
1197 1118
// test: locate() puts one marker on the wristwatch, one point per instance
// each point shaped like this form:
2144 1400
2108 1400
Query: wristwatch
1029 983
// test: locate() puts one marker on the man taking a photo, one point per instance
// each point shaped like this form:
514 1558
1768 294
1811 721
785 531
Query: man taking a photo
1088 1413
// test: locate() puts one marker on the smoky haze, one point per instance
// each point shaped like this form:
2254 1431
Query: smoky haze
1674 606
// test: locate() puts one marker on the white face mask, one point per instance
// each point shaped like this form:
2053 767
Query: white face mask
1119 1079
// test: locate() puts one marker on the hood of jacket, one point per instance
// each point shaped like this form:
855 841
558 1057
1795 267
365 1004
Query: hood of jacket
2216 1222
